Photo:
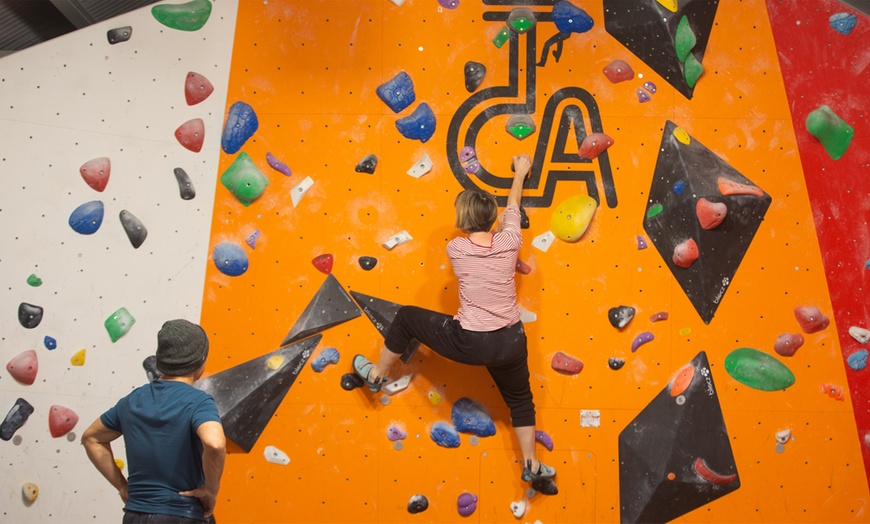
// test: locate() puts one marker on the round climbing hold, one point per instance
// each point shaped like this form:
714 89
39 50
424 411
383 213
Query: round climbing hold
351 381
418 504
858 360
50 342
29 315
521 19
678 187
572 218
30 491
87 218
758 370
811 319
620 316
24 366
467 503
367 263
615 363
230 259
788 343
435 398
642 96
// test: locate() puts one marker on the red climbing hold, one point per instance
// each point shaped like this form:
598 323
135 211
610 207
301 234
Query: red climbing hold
593 145
566 364
787 344
730 187
656 317
523 268
811 319
704 471
191 134
96 173
23 367
682 380
196 88
710 214
61 420
323 263
618 71
686 253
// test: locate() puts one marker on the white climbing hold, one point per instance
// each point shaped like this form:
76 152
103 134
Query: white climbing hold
860 334
590 418
398 2
544 241
299 191
421 167
518 508
783 436
391 388
276 456
398 239
527 316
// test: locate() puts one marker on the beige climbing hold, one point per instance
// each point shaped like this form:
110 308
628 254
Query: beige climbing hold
860 334
783 436
79 358
401 384
518 508
30 491
681 136
275 362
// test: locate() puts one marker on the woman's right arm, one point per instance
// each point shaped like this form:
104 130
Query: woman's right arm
522 166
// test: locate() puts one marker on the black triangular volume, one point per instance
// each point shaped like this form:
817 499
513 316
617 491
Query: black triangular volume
330 306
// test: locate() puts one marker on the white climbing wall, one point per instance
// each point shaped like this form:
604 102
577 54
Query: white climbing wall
63 103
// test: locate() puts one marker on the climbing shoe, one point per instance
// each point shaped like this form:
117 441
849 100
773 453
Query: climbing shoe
363 368
543 472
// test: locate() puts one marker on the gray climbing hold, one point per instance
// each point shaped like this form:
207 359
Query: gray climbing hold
134 228
150 366
16 418
29 315
417 504
470 416
860 334
615 363
367 165
119 34
444 435
385 400
185 186
620 316
474 73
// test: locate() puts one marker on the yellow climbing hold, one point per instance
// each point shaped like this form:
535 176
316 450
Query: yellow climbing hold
30 491
572 218
119 463
681 135
434 398
79 358
275 362
670 5
685 331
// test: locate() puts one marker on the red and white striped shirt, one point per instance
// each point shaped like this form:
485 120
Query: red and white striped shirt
487 290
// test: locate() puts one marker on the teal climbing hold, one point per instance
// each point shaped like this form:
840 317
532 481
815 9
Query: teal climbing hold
244 179
758 370
190 16
119 323
834 133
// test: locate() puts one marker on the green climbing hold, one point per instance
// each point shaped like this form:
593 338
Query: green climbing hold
34 281
684 39
190 16
119 323
503 36
520 126
654 210
834 133
244 180
521 19
758 370
693 70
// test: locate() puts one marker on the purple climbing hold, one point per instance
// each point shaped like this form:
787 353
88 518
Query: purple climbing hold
843 23
449 4
444 435
649 86
252 239
467 503
642 96
466 154
468 159
641 242
641 339
16 418
420 125
277 165
87 218
398 92
328 356
241 125
571 19
544 439
395 433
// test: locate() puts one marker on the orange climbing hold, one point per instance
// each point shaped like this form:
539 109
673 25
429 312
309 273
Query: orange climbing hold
811 319
730 187
23 367
682 380
835 392
686 253
710 214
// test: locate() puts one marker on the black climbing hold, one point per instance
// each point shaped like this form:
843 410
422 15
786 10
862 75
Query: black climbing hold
119 34
381 313
185 187
29 315
367 263
150 365
134 227
330 306
351 381
367 165
545 486
615 363
418 504
524 218
16 418
620 316
474 73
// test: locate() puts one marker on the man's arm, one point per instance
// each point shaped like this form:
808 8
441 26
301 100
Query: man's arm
214 451
97 442
522 166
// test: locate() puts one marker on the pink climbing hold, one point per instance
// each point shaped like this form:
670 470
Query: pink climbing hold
710 214
23 367
191 134
811 319
618 71
788 343
566 364
196 88
96 173
61 420
593 145
641 339
686 253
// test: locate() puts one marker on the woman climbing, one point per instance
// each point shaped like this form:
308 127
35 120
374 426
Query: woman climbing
487 330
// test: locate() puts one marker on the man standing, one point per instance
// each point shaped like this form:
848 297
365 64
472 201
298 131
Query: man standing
173 436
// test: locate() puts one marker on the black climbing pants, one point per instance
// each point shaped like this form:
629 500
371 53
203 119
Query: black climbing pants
135 517
504 353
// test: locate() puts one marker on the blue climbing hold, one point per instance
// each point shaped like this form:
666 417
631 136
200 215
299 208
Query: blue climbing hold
444 435
470 416
327 356
87 218
571 19
843 22
397 93
241 125
678 187
858 360
230 259
420 125
50 343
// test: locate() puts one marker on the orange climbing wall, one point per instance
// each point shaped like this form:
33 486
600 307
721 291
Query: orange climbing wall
310 70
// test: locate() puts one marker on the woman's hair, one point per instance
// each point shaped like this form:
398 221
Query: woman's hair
476 210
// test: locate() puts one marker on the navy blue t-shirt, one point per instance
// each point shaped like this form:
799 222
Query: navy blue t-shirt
164 454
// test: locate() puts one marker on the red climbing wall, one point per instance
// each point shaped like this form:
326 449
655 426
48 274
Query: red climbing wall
310 71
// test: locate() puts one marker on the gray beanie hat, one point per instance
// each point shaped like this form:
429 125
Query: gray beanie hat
182 347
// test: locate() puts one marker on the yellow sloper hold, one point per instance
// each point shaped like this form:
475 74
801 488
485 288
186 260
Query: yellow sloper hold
681 135
572 218
275 362
79 358
30 491
434 398
119 463
670 5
